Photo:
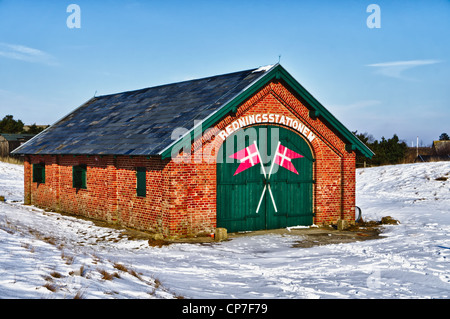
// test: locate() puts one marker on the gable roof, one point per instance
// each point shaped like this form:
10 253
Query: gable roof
278 73
138 122
141 122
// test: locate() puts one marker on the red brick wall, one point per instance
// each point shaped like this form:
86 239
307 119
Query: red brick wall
111 189
181 196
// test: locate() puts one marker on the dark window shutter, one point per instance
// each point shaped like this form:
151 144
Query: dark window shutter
39 173
74 176
141 187
35 174
83 177
79 176
42 173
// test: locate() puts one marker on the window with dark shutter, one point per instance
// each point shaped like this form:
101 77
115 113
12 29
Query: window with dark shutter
79 176
141 188
39 173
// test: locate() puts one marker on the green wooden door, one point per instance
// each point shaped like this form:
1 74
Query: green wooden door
253 200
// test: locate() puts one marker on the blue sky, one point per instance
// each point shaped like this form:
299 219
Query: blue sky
392 79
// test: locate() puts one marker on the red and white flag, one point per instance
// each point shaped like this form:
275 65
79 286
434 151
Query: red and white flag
248 156
284 157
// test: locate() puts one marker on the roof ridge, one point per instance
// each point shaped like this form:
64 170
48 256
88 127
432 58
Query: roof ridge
176 83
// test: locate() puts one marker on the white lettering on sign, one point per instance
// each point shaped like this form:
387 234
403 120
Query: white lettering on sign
266 118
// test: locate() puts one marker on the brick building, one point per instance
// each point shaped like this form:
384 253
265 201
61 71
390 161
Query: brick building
244 151
9 142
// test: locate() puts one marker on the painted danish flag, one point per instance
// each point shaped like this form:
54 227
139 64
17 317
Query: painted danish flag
284 157
248 156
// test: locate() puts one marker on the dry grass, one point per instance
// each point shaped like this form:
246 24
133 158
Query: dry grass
50 287
107 276
69 259
121 267
49 284
79 295
29 247
56 274
127 270
157 243
155 284
8 226
11 160
80 272
48 239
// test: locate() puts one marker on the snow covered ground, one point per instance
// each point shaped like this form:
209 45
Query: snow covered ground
48 255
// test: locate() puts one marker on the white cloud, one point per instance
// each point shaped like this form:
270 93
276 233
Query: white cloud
24 53
395 69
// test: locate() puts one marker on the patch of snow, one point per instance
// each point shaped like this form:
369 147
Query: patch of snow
301 227
264 68
49 255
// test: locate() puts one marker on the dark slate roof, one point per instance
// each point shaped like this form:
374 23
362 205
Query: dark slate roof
139 122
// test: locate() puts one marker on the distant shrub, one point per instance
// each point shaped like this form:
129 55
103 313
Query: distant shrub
387 151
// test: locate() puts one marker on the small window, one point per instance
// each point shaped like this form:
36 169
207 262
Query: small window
39 173
141 187
79 176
